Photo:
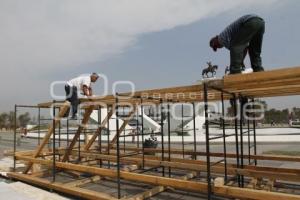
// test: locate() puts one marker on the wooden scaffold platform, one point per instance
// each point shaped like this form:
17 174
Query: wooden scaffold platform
236 174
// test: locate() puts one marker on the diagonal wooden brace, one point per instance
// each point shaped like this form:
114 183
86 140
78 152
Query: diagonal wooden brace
63 110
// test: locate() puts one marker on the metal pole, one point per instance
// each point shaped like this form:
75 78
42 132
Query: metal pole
124 145
137 129
53 145
209 189
39 125
79 140
224 138
108 136
67 132
169 138
254 132
99 137
162 136
118 146
236 136
241 138
194 129
142 121
15 136
59 132
249 141
182 138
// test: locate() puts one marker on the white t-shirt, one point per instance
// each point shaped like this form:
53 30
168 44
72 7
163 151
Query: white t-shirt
80 81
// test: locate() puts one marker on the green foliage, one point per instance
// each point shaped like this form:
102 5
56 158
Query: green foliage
7 120
278 116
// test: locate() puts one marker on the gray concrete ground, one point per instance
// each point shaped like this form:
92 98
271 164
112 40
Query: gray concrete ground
129 188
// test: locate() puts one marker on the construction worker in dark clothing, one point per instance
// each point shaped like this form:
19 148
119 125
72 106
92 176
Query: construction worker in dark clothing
242 36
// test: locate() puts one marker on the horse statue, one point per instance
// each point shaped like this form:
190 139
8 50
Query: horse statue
212 69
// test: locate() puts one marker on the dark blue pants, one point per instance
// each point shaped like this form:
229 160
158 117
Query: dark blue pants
72 97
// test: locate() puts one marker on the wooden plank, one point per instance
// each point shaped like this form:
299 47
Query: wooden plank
252 194
79 192
86 117
214 154
46 138
147 194
98 131
267 172
156 190
175 183
277 74
84 181
150 179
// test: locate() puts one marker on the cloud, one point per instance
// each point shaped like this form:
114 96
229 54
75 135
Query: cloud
46 35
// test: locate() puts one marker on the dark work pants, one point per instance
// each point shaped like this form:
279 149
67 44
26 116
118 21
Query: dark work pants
72 96
249 36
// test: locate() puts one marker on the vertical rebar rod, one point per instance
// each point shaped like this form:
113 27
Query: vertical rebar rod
53 145
224 137
236 136
15 136
182 126
108 135
169 138
59 132
39 125
249 140
241 138
194 130
142 123
100 135
137 128
124 145
118 146
254 130
79 140
67 131
162 135
209 189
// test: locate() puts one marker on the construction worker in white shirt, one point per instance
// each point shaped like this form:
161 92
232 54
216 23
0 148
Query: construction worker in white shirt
80 84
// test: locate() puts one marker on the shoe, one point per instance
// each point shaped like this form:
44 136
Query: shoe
260 69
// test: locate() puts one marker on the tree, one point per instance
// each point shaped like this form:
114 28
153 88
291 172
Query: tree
4 120
24 119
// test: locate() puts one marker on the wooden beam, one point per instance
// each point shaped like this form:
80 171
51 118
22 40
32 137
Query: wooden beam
267 172
86 117
46 138
156 190
171 182
214 154
79 192
84 181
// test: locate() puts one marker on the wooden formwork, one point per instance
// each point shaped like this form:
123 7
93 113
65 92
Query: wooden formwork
262 182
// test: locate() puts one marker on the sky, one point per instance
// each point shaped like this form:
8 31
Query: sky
154 44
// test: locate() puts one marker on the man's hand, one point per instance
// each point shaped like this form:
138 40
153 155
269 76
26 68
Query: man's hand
86 90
